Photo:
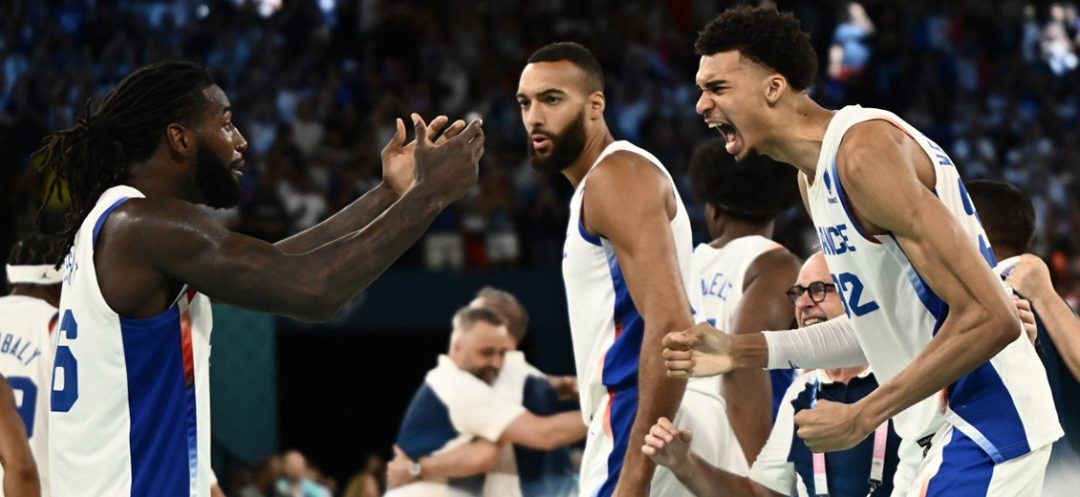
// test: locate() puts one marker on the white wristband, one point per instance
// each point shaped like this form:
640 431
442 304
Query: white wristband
829 344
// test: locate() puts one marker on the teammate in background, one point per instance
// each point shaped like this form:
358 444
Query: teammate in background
517 323
545 473
20 476
130 404
742 274
627 270
458 411
27 320
1009 218
786 467
539 473
909 258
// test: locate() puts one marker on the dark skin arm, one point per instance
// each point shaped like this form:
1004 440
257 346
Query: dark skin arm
889 181
20 471
148 246
640 233
764 306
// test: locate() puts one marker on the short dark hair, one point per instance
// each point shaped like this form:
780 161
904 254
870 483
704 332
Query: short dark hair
467 317
766 36
34 250
1006 213
576 54
755 190
505 303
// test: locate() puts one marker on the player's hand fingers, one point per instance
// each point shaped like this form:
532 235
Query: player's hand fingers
472 131
677 354
667 425
654 441
686 435
422 137
452 131
677 340
436 125
679 367
648 450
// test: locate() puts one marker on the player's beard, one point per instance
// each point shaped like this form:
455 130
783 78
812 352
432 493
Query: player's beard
566 147
215 180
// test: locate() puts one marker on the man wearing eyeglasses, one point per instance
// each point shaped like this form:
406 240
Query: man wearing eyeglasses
786 466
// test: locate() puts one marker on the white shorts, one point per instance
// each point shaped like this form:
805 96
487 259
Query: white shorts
701 411
955 465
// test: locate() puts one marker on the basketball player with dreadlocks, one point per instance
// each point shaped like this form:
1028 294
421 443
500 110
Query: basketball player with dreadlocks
130 413
909 258
28 319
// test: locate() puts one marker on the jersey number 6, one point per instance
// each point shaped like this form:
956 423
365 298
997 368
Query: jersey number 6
65 368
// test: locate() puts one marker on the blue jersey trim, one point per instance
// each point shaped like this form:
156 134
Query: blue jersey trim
160 406
847 206
623 405
101 219
589 237
965 469
426 426
621 359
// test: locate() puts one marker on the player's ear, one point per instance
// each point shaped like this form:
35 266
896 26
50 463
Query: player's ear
596 104
775 87
180 139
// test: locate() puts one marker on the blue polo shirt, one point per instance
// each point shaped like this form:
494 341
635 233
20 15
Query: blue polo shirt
785 465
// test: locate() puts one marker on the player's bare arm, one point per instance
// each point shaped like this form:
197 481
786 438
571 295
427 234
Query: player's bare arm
399 176
1031 278
474 458
20 471
157 242
764 306
889 181
669 446
545 432
629 202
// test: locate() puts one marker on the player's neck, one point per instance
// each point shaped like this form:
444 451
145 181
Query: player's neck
798 141
734 229
38 292
594 146
158 179
844 375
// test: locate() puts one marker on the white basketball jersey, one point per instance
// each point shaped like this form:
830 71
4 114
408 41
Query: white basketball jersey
720 277
1003 405
130 398
26 325
605 326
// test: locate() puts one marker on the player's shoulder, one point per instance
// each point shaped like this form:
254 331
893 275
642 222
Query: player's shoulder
148 221
866 142
626 169
773 260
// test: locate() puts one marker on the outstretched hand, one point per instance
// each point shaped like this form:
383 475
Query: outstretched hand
398 163
450 164
697 352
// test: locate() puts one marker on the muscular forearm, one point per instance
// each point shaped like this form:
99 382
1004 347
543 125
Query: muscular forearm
352 218
958 348
658 396
1063 327
320 281
747 395
705 480
22 482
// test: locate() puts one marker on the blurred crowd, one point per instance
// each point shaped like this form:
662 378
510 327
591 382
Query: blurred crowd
317 85
289 474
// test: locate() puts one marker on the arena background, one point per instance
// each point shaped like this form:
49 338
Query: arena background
317 84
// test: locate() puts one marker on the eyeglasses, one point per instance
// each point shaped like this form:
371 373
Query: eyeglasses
817 290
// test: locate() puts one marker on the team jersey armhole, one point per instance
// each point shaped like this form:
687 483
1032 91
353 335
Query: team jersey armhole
846 204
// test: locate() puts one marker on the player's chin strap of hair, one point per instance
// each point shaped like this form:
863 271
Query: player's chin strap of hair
39 274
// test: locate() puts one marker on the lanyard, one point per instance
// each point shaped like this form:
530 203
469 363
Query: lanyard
877 457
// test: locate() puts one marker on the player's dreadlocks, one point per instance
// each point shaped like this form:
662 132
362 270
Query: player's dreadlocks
96 153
